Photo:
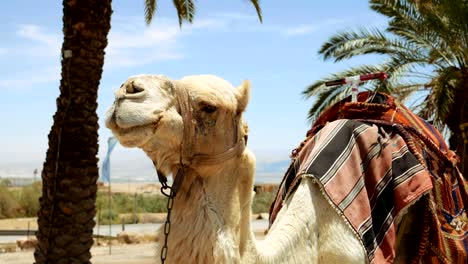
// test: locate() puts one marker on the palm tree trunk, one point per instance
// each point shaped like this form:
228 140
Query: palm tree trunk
67 205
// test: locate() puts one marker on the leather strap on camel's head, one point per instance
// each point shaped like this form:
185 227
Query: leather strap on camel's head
187 157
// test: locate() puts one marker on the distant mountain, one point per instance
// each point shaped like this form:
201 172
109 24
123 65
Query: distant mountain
271 172
140 169
276 166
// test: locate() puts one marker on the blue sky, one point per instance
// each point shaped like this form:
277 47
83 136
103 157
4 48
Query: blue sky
279 57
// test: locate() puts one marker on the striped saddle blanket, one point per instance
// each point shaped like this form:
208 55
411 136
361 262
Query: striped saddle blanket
375 159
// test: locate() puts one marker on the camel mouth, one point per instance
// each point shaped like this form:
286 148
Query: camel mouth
114 126
133 136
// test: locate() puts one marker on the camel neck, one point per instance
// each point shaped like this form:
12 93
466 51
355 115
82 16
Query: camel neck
209 215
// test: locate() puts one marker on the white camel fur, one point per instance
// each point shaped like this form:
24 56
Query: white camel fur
210 221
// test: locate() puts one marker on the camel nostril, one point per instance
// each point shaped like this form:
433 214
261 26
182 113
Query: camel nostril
132 88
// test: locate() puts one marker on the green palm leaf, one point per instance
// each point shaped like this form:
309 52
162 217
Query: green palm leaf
150 10
327 98
185 10
353 43
318 86
258 9
425 49
442 96
425 54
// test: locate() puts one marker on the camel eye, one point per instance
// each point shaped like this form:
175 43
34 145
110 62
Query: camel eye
208 108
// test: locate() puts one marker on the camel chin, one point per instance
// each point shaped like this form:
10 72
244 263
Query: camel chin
133 137
130 131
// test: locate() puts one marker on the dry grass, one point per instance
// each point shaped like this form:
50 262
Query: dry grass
18 223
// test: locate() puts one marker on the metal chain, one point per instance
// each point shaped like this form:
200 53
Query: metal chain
167 224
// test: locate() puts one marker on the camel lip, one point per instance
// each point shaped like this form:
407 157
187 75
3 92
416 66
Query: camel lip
121 131
126 136
126 130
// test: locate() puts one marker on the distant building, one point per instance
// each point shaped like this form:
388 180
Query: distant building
270 188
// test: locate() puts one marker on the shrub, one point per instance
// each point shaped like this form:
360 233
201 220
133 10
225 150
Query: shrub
28 199
24 202
124 203
152 203
262 202
9 207
106 217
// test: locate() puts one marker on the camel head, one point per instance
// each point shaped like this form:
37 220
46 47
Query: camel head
200 115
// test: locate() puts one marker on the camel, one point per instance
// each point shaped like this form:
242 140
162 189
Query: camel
383 189
210 221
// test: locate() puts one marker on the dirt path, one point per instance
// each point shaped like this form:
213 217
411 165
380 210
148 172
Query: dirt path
121 254
18 223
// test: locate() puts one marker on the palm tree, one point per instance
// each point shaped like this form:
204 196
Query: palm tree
425 50
70 172
67 205
186 10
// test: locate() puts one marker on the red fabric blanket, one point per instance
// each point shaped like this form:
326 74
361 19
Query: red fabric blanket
396 157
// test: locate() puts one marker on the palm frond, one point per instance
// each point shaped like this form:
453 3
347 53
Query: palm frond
439 53
396 9
439 25
428 24
353 43
425 45
349 40
326 99
185 10
403 91
258 9
395 84
150 10
395 68
448 20
319 86
443 91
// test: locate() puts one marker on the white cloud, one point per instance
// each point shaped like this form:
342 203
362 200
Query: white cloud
35 32
36 53
132 43
142 37
129 45
140 46
311 28
43 43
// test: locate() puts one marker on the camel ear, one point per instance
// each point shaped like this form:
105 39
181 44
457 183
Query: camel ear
243 96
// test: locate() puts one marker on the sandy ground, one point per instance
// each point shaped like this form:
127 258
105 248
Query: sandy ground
144 253
24 223
120 254
18 223
140 188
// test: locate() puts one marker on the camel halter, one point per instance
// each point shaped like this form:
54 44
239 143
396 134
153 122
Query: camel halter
188 158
